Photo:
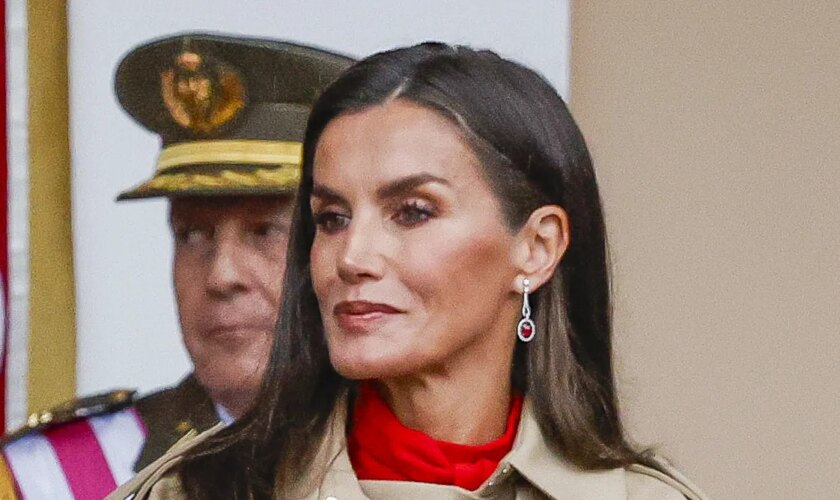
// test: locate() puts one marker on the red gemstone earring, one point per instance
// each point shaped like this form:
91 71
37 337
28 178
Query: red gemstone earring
526 329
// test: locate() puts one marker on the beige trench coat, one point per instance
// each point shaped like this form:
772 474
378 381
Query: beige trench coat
529 472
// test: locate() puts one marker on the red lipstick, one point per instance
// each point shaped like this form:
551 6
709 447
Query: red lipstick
359 316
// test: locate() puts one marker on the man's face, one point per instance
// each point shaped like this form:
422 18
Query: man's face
230 254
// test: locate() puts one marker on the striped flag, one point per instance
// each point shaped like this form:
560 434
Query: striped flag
85 459
4 226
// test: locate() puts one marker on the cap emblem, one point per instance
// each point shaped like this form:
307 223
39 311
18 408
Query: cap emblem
202 94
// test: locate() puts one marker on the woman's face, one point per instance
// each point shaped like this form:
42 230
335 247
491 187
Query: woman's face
411 262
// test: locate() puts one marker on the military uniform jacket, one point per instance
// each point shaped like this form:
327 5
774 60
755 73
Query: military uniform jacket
83 454
531 471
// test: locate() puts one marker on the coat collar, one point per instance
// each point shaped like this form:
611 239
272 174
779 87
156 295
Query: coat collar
530 459
554 475
330 473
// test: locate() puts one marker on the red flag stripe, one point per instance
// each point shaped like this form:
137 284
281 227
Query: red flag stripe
82 460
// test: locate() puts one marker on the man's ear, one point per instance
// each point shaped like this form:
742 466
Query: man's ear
542 241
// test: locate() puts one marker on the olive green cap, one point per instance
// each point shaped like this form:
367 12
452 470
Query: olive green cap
231 111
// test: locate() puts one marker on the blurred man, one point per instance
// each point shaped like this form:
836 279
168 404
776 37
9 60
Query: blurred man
231 114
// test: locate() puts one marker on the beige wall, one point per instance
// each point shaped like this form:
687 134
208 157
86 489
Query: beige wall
715 127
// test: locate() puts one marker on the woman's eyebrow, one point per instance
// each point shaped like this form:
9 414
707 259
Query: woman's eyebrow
407 184
326 194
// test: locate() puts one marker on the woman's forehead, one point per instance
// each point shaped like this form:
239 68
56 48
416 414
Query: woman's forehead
390 141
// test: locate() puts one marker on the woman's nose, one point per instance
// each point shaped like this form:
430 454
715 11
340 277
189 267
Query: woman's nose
360 257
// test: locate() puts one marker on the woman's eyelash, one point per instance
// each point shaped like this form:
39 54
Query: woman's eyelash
330 221
408 213
418 205
414 212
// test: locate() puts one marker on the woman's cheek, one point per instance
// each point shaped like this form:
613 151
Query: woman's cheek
318 268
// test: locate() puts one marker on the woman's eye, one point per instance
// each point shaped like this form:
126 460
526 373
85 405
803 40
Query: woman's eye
413 213
331 222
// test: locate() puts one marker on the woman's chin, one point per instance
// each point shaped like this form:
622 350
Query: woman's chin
366 367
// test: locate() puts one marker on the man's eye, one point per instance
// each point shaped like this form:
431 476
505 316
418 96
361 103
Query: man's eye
414 212
191 235
331 222
269 229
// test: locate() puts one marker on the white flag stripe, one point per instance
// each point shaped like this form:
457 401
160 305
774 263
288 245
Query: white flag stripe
121 438
37 469
17 139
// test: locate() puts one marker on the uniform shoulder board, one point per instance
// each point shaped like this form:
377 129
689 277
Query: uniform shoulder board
74 409
656 466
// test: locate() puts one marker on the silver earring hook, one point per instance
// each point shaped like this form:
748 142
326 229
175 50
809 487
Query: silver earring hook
526 290
526 328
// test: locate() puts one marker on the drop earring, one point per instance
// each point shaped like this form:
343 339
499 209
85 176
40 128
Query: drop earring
526 329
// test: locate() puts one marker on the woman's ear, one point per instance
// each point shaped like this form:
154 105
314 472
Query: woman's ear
542 241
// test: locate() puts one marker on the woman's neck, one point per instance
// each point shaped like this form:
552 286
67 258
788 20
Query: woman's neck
468 407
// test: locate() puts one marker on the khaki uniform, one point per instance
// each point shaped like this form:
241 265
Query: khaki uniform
529 472
171 413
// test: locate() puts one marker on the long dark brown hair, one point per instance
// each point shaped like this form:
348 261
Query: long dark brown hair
532 153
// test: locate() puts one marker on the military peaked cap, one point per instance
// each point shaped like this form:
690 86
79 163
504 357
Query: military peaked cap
231 111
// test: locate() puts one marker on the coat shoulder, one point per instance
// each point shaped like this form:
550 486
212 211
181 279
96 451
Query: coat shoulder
160 480
644 486
168 488
657 479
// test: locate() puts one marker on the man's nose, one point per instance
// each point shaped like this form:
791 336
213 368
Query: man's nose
227 275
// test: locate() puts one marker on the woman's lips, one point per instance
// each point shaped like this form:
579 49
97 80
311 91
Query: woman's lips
359 316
